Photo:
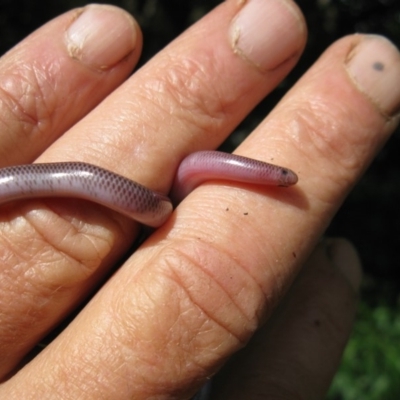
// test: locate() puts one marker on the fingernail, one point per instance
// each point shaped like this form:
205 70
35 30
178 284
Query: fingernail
101 36
374 66
344 257
268 32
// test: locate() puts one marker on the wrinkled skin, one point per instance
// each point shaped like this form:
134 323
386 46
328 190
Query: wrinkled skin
236 265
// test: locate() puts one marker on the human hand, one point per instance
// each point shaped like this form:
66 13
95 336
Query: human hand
199 287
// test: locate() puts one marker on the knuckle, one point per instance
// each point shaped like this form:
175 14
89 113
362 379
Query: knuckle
321 132
191 267
184 308
189 93
52 259
27 98
40 269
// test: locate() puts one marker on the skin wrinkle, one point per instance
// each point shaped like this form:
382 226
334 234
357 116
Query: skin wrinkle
153 385
271 255
185 361
31 90
145 133
59 259
32 290
214 109
33 93
131 335
307 132
24 105
8 255
152 96
312 119
36 301
118 333
47 88
183 253
15 107
6 108
184 83
304 119
99 153
78 226
64 260
43 97
85 385
88 265
182 315
326 144
235 225
181 282
24 259
273 267
179 301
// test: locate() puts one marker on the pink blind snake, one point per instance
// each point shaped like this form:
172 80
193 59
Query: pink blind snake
86 181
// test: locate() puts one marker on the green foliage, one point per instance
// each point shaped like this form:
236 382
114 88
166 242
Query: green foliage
370 367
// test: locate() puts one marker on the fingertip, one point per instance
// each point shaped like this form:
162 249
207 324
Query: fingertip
373 65
101 36
267 33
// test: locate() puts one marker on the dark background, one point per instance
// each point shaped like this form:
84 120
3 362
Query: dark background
370 217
